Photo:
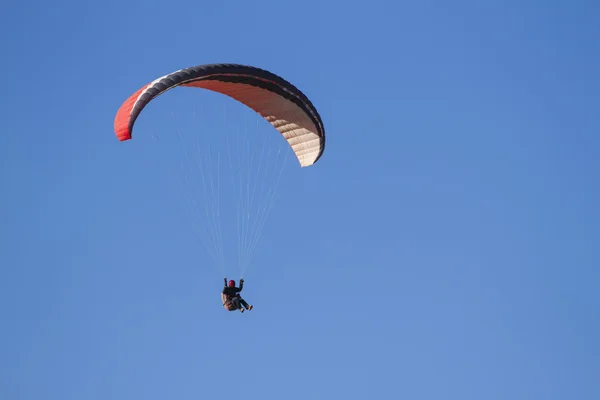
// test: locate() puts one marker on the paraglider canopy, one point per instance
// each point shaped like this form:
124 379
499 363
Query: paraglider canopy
285 107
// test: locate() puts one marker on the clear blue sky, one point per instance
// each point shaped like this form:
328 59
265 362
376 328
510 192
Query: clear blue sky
446 246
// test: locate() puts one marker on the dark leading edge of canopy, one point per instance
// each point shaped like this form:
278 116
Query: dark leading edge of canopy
252 76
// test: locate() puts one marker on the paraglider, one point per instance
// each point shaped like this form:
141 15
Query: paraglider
277 101
231 298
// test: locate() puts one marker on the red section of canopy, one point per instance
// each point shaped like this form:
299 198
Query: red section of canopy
123 118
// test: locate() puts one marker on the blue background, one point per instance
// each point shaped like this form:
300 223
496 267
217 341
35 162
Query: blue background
446 246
